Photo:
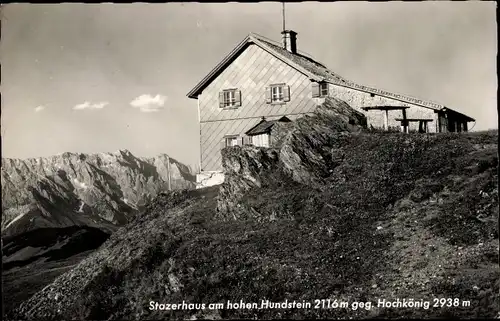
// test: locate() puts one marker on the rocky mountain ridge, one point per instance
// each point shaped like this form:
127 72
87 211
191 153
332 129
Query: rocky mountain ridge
102 190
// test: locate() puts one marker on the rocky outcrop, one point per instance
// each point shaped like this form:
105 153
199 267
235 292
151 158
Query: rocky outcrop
244 168
306 146
100 190
304 152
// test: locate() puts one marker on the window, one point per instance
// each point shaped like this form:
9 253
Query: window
372 95
230 98
278 93
323 88
231 141
319 89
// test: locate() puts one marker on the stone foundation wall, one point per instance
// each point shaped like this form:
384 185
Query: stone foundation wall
205 179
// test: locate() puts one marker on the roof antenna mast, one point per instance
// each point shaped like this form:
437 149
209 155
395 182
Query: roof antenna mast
283 15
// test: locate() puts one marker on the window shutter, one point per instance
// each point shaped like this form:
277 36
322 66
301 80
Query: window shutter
315 90
286 93
237 95
268 95
241 141
221 99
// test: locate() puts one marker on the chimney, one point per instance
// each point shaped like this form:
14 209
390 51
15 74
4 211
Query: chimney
290 40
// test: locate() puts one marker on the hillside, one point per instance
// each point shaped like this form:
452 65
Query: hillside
34 259
102 190
333 213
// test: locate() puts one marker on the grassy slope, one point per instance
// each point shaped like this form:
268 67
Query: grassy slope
403 216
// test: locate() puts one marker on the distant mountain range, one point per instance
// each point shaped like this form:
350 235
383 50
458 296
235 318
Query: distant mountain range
102 190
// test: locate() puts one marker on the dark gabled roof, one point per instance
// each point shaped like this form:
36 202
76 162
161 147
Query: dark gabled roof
265 126
250 39
312 66
467 118
307 66
327 75
262 127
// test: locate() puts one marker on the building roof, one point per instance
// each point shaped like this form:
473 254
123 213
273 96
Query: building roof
313 69
265 126
457 113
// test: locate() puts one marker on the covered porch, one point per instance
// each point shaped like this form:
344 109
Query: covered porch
450 120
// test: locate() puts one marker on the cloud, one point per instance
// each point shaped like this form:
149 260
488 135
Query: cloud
148 103
39 108
88 105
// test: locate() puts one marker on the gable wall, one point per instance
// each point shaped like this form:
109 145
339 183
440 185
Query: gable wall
251 72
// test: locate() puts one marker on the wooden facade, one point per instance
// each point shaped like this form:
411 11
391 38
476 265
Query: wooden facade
251 73
239 92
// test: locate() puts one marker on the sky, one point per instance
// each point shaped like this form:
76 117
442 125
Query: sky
103 77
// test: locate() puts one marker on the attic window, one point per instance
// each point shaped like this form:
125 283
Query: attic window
278 93
230 98
319 89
